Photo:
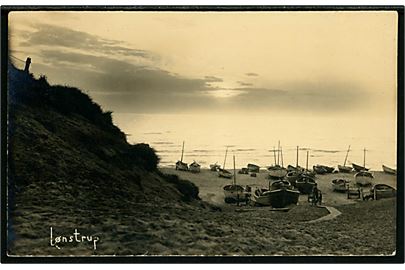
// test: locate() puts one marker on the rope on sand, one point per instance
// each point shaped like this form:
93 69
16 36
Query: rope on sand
333 213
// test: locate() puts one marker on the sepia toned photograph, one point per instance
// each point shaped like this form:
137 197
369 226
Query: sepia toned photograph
168 133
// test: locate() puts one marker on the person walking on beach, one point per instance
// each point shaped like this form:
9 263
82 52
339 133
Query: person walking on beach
315 194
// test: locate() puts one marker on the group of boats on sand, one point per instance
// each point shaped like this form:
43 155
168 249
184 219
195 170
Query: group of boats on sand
286 184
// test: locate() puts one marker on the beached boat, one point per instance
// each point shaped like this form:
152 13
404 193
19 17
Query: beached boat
214 167
353 192
222 172
327 168
243 171
277 172
363 178
344 169
282 194
305 184
359 168
293 176
234 192
291 168
389 170
381 191
319 169
194 167
261 197
340 185
253 168
180 165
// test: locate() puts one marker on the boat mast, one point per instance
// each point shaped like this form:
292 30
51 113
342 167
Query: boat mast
226 152
364 159
234 171
344 164
274 153
282 160
182 152
278 153
297 158
306 168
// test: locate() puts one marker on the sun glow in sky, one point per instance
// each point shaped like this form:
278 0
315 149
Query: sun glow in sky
331 63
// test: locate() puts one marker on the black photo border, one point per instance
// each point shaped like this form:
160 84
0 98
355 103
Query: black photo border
397 258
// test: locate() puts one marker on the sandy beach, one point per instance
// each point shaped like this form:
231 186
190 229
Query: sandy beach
210 184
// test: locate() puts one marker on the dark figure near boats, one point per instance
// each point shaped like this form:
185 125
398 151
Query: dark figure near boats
315 197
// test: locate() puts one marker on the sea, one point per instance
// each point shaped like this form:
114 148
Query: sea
253 139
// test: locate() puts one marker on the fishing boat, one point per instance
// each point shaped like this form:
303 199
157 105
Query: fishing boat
381 191
261 197
222 172
293 176
319 169
243 171
305 184
214 167
389 170
194 167
340 185
234 192
363 177
359 168
291 168
253 168
282 194
277 172
306 172
327 168
180 165
344 168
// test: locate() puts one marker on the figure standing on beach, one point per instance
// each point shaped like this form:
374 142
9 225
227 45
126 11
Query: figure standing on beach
27 65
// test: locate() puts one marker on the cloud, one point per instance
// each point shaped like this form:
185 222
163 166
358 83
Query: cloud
213 79
122 84
244 83
51 35
251 74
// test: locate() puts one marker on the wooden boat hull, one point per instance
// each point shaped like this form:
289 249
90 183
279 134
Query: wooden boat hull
363 178
359 168
194 169
214 167
305 185
340 185
389 170
234 193
382 191
225 174
282 197
277 173
261 197
181 166
293 176
344 169
253 168
319 169
292 168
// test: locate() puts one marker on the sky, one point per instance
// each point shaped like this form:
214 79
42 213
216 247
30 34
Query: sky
282 63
